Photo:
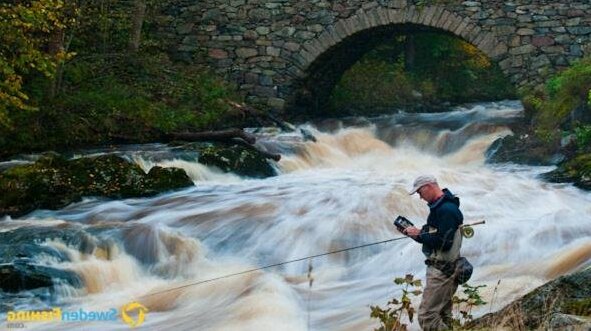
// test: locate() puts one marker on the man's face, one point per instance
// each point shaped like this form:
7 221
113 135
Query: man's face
426 192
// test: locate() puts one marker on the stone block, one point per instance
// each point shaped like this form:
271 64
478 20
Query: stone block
573 21
462 27
398 3
437 13
263 42
563 39
499 50
409 14
251 78
292 47
517 61
504 30
276 103
525 32
315 28
265 91
217 53
383 18
272 51
244 52
548 24
453 22
442 19
265 80
250 35
259 14
540 41
576 50
263 30
304 35
579 30
540 61
185 28
525 49
395 16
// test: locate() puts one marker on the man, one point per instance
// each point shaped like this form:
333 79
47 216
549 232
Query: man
441 239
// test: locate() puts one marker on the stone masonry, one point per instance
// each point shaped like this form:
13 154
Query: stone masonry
284 53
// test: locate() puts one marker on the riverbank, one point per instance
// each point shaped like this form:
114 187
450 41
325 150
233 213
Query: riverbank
556 130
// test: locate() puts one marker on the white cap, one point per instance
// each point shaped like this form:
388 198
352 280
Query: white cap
422 181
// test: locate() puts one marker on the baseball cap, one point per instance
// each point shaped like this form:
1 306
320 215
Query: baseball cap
421 181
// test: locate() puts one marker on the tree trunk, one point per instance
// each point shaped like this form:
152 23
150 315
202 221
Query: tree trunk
409 53
56 46
137 20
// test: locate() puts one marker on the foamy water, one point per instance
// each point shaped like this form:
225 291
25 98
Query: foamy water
342 191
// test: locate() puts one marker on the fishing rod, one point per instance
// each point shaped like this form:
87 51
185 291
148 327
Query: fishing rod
468 227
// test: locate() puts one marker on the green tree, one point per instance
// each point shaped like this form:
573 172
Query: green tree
26 31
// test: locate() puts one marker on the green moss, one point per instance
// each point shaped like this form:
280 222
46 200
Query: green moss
53 182
564 93
107 100
577 170
580 307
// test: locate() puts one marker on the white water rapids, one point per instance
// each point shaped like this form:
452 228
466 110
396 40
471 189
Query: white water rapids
342 191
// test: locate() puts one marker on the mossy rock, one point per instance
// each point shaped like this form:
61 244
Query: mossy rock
162 179
18 277
580 307
525 149
25 242
53 182
557 302
238 159
577 170
23 248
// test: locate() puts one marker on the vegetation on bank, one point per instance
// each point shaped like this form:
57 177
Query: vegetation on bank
392 316
422 71
558 129
89 72
563 107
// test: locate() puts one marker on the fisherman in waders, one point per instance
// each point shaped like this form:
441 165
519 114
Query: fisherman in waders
441 239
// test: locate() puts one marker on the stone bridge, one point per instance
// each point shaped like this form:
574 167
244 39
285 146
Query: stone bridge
289 54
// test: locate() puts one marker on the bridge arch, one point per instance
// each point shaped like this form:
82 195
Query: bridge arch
314 78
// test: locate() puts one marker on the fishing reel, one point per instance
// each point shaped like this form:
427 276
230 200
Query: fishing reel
467 231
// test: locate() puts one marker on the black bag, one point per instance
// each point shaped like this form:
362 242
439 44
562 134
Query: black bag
463 270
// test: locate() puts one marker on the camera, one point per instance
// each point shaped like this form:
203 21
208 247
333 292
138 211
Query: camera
402 223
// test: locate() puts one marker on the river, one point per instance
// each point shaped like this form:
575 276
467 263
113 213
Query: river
343 190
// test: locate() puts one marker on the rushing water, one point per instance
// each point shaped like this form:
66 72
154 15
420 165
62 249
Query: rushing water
342 191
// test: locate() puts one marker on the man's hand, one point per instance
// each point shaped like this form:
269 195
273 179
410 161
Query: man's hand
412 231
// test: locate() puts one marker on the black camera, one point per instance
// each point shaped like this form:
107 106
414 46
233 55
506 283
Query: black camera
402 223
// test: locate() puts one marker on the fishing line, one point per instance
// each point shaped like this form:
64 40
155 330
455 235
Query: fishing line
292 261
274 265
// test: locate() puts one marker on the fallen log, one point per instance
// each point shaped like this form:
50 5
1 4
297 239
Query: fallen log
224 135
229 136
283 125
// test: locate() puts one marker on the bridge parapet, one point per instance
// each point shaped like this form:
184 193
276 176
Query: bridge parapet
272 48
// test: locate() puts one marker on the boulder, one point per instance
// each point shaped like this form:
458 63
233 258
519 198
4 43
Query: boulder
238 159
576 170
527 149
54 182
562 304
16 277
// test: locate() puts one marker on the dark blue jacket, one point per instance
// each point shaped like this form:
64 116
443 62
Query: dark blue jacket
446 217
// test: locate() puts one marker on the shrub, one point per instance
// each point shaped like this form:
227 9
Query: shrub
391 316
